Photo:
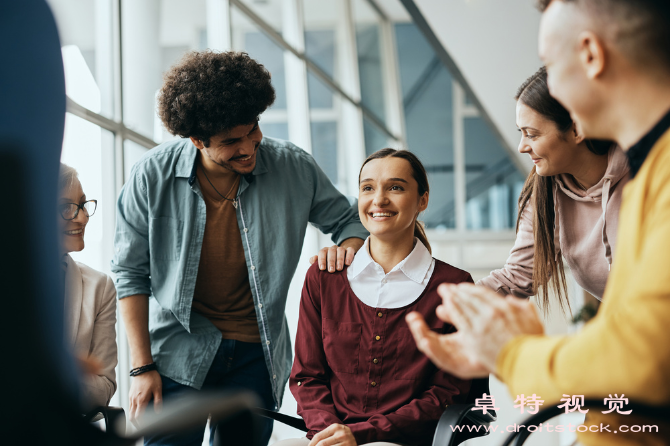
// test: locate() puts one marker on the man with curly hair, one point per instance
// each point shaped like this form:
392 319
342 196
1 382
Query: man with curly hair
211 227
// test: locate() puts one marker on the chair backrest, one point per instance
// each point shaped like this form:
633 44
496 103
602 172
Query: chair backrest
479 387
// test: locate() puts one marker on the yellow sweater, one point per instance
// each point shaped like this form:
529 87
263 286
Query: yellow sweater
625 349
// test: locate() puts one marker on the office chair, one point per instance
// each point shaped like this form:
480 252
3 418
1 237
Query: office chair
454 415
114 417
231 412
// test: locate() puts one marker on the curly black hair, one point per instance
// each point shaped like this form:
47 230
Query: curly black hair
209 92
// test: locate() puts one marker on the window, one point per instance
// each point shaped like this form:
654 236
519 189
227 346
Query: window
427 94
367 25
87 147
249 38
156 34
87 43
441 121
493 182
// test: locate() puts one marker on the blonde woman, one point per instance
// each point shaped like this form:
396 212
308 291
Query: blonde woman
90 296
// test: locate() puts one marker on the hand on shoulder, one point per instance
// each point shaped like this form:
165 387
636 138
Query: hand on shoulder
335 257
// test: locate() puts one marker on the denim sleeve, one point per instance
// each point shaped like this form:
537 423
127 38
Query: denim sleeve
131 242
331 212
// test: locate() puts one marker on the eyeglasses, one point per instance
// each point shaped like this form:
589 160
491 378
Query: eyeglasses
69 211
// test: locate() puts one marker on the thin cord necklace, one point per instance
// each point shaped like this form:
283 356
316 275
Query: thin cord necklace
232 200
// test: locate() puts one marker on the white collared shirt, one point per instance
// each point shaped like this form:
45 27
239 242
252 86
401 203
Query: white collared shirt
400 287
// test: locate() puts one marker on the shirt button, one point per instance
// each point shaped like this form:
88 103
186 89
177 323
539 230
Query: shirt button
260 305
375 360
380 314
267 342
274 376
373 384
378 337
246 230
253 268
300 383
383 280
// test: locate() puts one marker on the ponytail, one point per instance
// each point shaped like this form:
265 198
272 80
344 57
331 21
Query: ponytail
420 233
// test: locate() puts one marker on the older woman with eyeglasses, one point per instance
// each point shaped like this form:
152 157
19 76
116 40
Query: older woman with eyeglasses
90 297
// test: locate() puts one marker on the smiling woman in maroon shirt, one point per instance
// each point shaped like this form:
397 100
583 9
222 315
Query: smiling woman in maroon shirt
358 377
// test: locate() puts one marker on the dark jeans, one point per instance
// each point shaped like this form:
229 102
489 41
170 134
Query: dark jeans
237 366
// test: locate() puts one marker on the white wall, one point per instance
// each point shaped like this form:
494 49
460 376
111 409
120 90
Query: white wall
494 43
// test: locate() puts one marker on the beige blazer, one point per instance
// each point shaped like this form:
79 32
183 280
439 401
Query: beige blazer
90 327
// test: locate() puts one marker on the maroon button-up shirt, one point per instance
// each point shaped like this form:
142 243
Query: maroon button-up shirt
358 365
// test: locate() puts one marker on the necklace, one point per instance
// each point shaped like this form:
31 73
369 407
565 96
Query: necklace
225 197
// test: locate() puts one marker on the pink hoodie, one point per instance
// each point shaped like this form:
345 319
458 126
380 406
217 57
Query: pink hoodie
585 231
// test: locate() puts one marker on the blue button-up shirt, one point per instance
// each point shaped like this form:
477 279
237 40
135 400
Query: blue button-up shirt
159 232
